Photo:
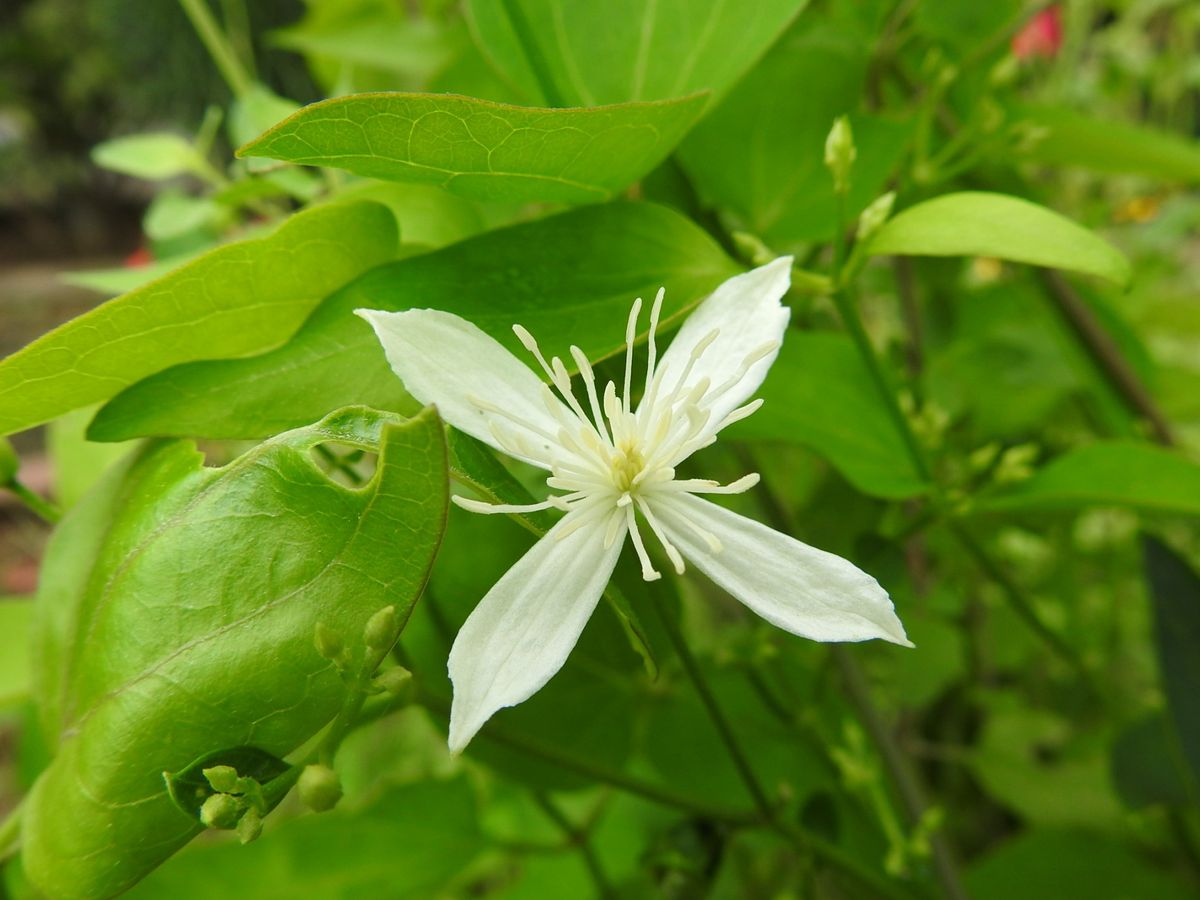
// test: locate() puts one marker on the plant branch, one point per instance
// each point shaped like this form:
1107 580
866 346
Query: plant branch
578 838
10 832
1105 353
218 46
45 510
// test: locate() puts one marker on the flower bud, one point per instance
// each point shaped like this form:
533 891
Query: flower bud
220 811
223 779
249 826
395 680
875 215
840 153
9 462
382 629
329 643
319 788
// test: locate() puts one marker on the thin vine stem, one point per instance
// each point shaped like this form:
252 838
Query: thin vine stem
578 838
218 45
10 831
45 510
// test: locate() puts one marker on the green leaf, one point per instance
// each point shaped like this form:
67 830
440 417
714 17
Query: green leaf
410 843
975 223
77 462
1146 767
175 619
15 668
481 149
154 156
1107 473
567 54
123 279
239 299
1053 864
568 278
819 394
760 154
1066 138
1175 590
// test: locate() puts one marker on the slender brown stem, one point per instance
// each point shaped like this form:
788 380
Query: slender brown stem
900 771
578 838
1105 353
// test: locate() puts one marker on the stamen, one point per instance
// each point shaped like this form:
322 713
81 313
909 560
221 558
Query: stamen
705 486
648 571
672 553
742 412
630 334
655 311
744 369
531 345
669 504
486 406
562 381
584 517
614 523
589 381
479 506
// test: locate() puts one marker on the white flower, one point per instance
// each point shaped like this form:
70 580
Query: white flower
613 466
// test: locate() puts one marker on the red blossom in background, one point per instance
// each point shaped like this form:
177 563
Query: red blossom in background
1041 36
138 258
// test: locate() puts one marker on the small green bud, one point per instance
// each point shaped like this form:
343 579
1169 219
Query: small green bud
319 788
9 461
840 153
1016 464
329 643
220 811
751 247
395 680
249 826
382 629
223 779
875 215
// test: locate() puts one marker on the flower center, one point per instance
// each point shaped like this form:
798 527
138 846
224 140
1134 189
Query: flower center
627 464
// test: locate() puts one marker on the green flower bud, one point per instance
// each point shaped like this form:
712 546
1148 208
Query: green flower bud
223 779
9 462
329 643
382 629
875 215
319 788
840 153
249 826
220 811
395 680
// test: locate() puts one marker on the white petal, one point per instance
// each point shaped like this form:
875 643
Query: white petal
799 588
521 633
747 313
445 360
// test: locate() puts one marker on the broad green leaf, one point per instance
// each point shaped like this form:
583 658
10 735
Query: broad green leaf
570 279
760 153
482 149
1107 473
176 619
124 279
238 299
153 156
410 843
976 223
1175 590
580 53
1066 138
818 393
1146 766
15 667
1054 864
256 110
385 37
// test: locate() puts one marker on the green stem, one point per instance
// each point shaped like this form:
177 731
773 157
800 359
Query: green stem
1022 606
690 666
218 46
579 839
10 832
44 509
